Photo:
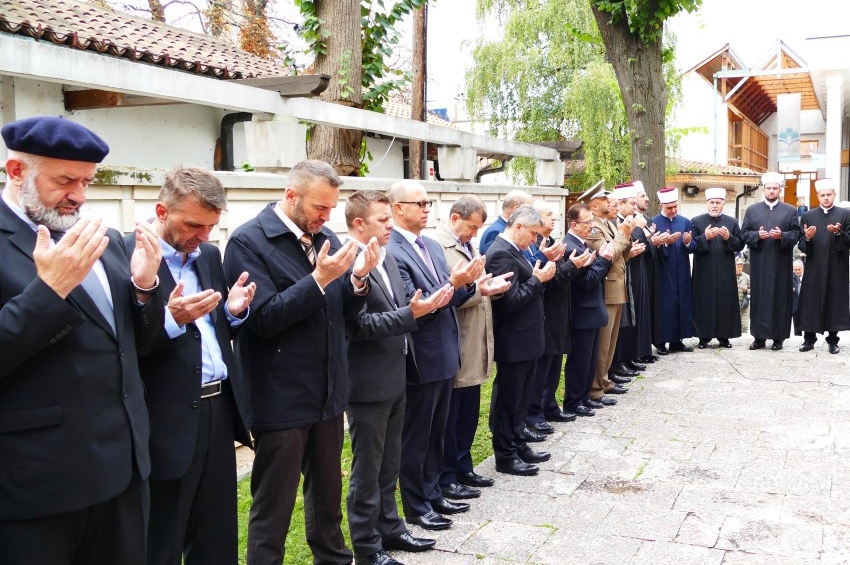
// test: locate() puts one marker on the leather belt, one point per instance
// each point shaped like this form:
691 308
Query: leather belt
211 389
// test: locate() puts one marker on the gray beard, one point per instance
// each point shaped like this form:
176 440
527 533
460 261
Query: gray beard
715 214
35 209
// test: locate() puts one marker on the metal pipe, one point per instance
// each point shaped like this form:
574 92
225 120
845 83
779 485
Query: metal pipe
227 123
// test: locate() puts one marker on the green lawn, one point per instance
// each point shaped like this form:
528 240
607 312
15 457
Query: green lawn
297 551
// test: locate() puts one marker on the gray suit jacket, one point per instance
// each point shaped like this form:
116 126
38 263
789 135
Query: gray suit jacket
381 346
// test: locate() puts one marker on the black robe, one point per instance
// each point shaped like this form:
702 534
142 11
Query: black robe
716 309
635 341
771 268
823 303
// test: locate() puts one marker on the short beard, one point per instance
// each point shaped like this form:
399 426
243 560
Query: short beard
715 214
35 209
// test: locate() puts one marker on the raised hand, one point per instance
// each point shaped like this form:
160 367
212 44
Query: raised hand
186 309
489 285
546 273
553 252
607 251
466 274
775 233
834 228
367 260
63 266
331 267
146 256
437 300
687 237
240 295
627 226
762 233
637 249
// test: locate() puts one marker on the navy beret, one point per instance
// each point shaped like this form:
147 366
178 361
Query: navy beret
55 137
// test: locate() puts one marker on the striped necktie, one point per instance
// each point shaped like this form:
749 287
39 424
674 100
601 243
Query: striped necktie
307 243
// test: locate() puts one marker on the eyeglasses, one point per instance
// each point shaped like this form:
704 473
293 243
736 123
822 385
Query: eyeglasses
421 203
588 222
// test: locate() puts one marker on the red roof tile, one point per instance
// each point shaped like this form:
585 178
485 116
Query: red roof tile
87 27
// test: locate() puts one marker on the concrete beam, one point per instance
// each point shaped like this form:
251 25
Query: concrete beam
549 173
43 61
457 163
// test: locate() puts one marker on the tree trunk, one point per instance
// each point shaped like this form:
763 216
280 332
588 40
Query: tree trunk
343 61
640 74
417 98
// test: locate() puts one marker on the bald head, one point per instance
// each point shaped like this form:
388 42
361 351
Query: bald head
410 205
513 200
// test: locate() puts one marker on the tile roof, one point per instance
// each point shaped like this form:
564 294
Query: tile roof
83 26
403 110
686 166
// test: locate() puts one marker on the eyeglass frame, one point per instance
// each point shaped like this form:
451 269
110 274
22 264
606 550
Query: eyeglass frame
421 203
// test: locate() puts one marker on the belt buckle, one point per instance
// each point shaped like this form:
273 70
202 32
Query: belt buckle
211 389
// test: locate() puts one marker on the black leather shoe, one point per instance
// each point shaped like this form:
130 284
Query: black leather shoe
649 359
624 371
661 349
406 542
379 558
517 467
618 389
590 403
615 378
680 347
777 345
606 401
584 411
532 436
757 344
635 366
448 507
528 455
542 428
807 346
473 479
430 521
702 344
725 343
457 491
834 349
560 416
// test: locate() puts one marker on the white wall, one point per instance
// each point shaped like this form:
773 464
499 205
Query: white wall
387 158
697 111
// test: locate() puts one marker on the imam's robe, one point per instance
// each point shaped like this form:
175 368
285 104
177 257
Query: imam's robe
716 309
770 268
635 341
675 281
823 304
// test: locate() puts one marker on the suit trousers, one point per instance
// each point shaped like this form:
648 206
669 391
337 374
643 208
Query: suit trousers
546 379
109 532
425 416
580 368
193 519
375 430
460 433
280 458
607 344
513 385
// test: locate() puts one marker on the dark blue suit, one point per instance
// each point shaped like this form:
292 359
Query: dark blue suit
587 305
429 385
490 234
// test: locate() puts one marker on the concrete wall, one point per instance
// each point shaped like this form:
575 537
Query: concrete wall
697 111
387 158
131 195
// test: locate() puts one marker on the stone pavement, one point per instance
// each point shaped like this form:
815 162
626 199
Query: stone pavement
717 456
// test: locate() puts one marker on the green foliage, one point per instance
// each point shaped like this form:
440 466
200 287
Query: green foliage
645 19
247 167
345 79
547 79
379 36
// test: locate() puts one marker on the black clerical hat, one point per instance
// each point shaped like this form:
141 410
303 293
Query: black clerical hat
55 137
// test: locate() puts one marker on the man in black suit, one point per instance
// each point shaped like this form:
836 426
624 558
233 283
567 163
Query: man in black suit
293 350
422 266
518 334
75 316
378 355
589 313
195 418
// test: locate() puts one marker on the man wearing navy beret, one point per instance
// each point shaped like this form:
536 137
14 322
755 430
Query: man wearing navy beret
74 317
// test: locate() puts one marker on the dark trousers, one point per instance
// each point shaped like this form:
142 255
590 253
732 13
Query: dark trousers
534 414
425 417
193 518
513 386
550 366
375 430
811 337
581 366
460 433
281 457
109 532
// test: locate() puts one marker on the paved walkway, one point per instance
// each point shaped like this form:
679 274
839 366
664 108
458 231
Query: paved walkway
717 456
